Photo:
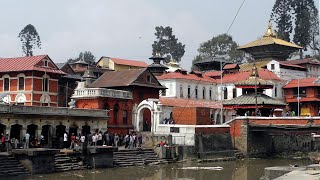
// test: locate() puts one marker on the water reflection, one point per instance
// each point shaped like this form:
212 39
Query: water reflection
232 170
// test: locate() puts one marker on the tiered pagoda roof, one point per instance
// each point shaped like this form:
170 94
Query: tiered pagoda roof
269 46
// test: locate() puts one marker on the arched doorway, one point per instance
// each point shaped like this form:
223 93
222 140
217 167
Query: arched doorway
146 117
2 130
60 130
147 111
73 129
32 130
85 130
15 131
46 132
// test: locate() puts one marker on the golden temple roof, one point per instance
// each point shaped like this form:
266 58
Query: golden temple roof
249 66
269 39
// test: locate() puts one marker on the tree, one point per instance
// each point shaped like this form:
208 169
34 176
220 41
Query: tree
282 17
30 39
222 44
167 44
300 16
87 56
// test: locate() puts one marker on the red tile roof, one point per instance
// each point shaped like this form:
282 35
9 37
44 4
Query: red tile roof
213 73
302 61
179 102
240 76
284 63
27 63
178 75
306 82
231 66
129 62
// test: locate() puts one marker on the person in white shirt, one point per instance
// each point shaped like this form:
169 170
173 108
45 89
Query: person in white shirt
27 138
65 140
94 139
82 140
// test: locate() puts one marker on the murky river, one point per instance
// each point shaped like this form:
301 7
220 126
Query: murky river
251 169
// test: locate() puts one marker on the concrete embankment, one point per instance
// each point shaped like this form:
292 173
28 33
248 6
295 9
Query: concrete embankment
311 172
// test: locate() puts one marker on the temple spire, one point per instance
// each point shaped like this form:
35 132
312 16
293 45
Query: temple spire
270 32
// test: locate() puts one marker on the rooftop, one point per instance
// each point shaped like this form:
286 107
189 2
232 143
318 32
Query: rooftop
180 102
241 76
249 99
27 63
129 62
306 82
179 75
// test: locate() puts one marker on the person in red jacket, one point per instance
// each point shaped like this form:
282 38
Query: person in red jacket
73 140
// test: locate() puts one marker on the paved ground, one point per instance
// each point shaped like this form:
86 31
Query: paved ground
301 175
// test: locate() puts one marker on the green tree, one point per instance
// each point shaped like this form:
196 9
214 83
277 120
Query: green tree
298 19
282 17
30 39
87 56
167 44
222 44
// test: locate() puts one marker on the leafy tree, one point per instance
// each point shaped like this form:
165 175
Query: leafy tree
87 56
222 44
167 44
298 19
282 17
30 39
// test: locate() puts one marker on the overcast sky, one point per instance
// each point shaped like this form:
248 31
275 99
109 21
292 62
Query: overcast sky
125 28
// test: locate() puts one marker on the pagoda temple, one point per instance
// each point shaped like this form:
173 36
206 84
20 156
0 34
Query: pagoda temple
253 98
270 47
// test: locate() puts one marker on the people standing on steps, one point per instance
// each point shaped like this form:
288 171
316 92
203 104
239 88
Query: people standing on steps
27 138
82 140
65 140
73 140
116 140
94 139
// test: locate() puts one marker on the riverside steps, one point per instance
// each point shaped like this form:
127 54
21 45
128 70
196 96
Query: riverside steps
37 160
69 161
10 166
136 157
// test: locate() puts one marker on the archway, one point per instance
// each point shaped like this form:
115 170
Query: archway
20 99
148 110
85 130
46 132
73 129
60 130
15 131
145 115
32 130
2 130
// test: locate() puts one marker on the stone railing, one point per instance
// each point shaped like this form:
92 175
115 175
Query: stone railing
101 92
53 111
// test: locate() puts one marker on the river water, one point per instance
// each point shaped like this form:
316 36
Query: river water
251 169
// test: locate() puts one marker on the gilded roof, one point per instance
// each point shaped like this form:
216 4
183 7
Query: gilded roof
269 39
249 99
251 81
264 41
249 66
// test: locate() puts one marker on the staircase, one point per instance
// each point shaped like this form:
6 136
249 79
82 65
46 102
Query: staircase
9 166
67 162
135 157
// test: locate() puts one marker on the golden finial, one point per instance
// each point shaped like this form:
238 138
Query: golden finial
269 32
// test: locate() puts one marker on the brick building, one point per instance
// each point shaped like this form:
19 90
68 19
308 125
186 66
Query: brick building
31 80
120 92
308 96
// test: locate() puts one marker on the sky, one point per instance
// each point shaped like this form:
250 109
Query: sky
125 28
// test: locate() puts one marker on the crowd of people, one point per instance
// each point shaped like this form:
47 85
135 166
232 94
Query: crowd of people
130 140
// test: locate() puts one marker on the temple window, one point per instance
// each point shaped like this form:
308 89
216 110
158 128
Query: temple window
21 83
6 84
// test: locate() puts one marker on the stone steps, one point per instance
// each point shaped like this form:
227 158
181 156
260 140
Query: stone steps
136 157
65 162
9 166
